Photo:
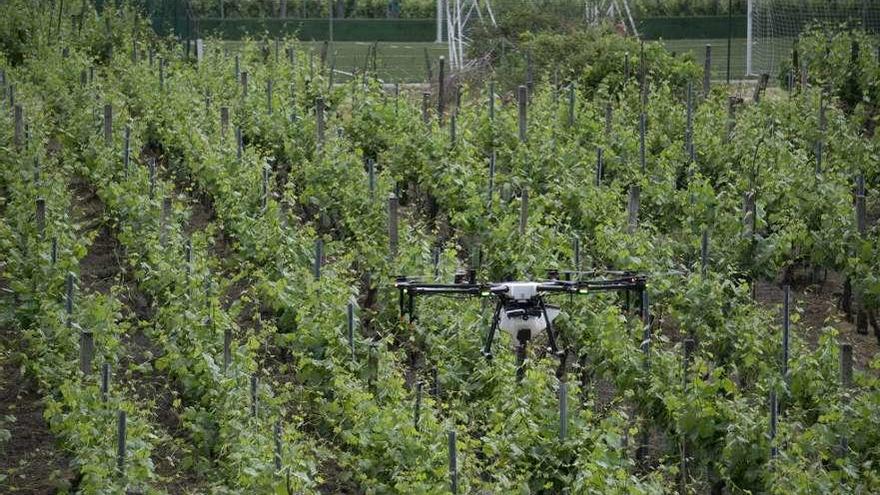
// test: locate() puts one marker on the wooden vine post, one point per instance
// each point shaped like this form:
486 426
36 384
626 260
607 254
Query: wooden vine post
393 218
41 217
786 330
704 252
255 406
319 121
426 103
632 208
453 462
121 426
108 124
18 119
319 258
224 121
350 319
861 228
126 149
522 98
563 410
846 376
643 130
418 405
441 107
689 124
227 349
524 212
105 381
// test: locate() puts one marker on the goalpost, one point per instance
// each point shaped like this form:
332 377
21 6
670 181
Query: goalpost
773 26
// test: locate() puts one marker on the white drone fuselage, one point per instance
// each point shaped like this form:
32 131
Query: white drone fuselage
523 310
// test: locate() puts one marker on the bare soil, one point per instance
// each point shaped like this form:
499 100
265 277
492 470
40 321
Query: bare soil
31 461
817 305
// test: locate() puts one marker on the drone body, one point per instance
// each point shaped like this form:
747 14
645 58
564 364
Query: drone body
520 308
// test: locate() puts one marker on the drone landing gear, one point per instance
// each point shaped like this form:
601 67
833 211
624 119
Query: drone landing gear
487 349
522 338
551 333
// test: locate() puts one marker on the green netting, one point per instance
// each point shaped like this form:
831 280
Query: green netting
319 29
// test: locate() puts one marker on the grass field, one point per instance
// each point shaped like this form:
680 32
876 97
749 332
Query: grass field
405 62
719 55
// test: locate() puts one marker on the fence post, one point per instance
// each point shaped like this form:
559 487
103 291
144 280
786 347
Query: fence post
244 84
707 71
571 104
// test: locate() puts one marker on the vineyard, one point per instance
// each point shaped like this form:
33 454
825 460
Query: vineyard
199 249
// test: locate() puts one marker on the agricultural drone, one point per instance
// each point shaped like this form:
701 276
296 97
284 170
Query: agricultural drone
521 308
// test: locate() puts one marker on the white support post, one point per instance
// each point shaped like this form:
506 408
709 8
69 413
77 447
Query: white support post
439 22
749 37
